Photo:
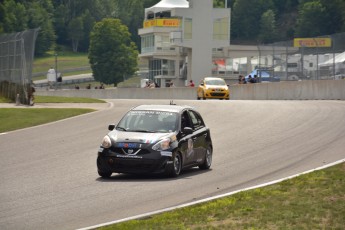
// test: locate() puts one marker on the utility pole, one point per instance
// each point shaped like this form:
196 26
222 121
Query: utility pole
56 71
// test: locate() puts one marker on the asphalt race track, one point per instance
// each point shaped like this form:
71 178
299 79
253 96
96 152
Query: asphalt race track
49 180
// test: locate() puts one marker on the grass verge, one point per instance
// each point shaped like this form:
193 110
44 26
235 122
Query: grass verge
18 118
5 100
312 201
65 60
53 99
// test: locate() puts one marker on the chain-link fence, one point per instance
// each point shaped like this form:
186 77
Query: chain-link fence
305 58
16 59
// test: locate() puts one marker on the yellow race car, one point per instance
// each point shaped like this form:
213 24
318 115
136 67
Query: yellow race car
213 88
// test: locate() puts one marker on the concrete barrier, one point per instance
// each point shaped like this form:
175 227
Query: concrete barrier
289 90
181 93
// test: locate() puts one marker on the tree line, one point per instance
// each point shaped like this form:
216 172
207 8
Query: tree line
70 22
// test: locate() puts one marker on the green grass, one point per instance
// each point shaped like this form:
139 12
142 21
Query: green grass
130 82
65 60
5 100
311 201
53 99
18 118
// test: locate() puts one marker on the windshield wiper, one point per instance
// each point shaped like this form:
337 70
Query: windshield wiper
142 131
121 128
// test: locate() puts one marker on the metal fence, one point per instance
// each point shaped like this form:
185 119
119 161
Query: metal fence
16 59
305 58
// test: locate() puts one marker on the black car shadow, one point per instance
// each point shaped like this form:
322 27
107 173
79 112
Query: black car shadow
120 177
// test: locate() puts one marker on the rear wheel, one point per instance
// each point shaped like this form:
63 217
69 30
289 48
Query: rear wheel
176 167
208 159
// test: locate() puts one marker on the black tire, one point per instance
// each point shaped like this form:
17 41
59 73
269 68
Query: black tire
102 171
176 167
208 159
104 174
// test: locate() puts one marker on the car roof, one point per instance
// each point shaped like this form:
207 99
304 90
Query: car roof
168 108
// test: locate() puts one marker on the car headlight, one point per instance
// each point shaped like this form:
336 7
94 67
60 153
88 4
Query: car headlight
106 142
162 145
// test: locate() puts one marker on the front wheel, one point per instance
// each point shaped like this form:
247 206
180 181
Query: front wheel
208 159
176 167
104 174
102 171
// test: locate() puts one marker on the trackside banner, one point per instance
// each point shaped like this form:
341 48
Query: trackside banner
312 42
162 23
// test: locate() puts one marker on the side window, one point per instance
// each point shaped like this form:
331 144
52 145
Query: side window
185 122
196 120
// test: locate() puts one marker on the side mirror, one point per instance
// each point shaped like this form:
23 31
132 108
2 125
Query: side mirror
111 127
187 130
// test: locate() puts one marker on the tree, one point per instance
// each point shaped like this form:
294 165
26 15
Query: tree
267 27
218 3
112 54
40 17
311 20
17 16
88 23
14 16
246 18
334 16
75 32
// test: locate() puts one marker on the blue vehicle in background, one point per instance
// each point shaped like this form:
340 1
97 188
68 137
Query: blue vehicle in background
263 75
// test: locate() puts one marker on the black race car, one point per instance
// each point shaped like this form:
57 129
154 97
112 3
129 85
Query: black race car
156 139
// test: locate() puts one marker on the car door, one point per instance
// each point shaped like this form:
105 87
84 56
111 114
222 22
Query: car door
199 136
186 141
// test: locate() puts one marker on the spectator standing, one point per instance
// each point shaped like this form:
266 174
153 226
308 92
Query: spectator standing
242 80
250 79
31 95
256 79
191 83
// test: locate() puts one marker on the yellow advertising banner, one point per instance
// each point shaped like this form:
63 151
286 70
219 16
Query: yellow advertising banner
162 23
312 42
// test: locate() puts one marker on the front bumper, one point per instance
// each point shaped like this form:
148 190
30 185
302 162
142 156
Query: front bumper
109 160
221 94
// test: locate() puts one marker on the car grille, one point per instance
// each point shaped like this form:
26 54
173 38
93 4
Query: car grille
134 165
126 151
217 94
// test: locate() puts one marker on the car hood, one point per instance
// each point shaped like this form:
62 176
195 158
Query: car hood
217 87
137 137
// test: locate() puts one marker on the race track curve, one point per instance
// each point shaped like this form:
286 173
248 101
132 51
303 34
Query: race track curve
49 179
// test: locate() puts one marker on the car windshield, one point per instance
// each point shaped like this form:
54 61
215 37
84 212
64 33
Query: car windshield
215 82
148 121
